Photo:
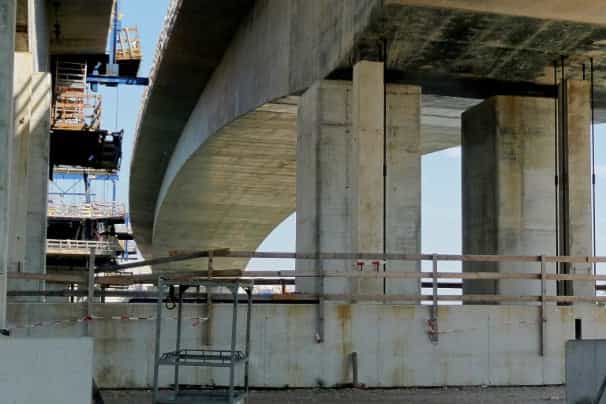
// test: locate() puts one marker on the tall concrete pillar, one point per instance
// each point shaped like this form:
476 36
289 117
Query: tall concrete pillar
20 150
7 49
575 185
368 151
509 197
343 198
37 176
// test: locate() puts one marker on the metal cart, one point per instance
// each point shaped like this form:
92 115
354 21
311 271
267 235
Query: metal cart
231 358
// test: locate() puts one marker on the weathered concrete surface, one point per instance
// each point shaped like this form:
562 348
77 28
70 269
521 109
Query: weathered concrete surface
509 197
29 370
585 11
575 186
478 345
367 154
84 25
234 190
37 176
7 48
508 192
22 90
328 151
39 33
585 370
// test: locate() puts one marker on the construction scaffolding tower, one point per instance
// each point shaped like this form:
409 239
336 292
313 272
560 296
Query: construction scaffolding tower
74 107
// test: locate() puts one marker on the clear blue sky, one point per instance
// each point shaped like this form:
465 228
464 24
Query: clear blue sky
441 190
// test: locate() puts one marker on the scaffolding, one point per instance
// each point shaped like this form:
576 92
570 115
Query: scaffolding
220 358
128 44
74 108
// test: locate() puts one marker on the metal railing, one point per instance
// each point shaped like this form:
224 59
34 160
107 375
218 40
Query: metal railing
537 271
128 45
93 210
82 247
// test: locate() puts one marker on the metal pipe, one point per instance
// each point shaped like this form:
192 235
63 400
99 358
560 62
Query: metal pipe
593 199
249 292
232 373
178 342
91 283
158 336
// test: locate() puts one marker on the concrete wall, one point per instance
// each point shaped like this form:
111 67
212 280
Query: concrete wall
585 370
478 345
46 370
508 168
343 198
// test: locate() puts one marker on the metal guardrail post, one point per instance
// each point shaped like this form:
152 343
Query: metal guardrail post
90 290
433 321
321 302
542 319
209 302
158 335
91 282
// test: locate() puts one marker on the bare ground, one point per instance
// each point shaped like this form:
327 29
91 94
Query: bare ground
468 395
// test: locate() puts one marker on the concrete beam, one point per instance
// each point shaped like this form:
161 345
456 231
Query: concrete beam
585 11
7 48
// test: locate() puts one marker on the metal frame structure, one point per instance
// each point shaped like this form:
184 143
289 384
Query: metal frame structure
206 357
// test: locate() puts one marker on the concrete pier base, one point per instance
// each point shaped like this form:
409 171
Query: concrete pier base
358 185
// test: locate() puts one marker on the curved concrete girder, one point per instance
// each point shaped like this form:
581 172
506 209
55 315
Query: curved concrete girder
273 54
241 183
233 190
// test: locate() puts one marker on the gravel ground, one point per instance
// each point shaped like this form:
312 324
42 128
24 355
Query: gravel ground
470 395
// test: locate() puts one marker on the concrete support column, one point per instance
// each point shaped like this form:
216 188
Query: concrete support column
575 185
508 166
7 49
343 198
368 152
20 150
37 176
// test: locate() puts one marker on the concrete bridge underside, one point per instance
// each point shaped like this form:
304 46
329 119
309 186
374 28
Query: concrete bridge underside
214 161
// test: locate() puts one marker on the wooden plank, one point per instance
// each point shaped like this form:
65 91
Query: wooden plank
176 257
117 280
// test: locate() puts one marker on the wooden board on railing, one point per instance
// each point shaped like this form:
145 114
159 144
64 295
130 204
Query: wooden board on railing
123 280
